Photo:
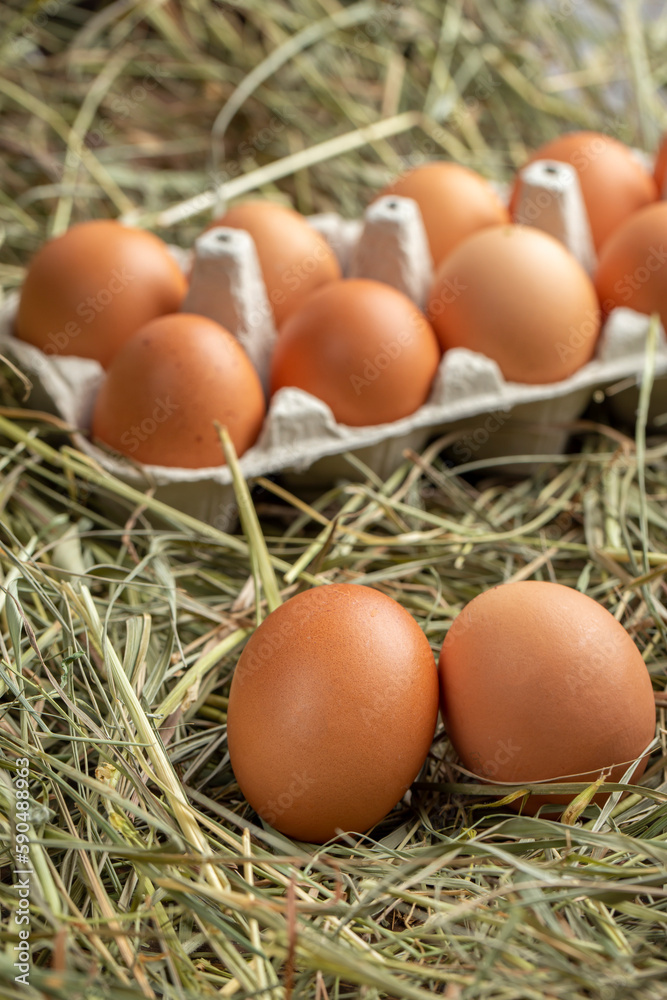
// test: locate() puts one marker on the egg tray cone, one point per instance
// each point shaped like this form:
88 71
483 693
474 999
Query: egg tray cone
486 417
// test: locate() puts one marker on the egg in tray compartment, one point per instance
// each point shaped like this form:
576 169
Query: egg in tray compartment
499 351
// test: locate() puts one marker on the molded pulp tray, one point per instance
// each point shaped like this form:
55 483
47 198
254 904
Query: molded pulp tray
300 434
470 401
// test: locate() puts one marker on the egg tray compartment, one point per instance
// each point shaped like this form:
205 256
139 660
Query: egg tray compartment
300 435
483 415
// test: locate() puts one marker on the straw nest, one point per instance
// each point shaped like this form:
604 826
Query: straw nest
151 876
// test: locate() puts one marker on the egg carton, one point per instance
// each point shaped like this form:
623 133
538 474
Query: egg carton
564 216
483 416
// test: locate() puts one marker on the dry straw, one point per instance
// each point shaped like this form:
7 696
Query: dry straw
118 640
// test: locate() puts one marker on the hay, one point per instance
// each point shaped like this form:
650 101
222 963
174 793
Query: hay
118 640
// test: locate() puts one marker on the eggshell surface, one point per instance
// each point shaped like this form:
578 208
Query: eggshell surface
362 347
632 269
614 184
539 682
454 203
294 258
86 292
518 296
332 711
169 384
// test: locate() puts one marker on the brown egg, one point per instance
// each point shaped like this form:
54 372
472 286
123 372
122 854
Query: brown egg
87 291
294 258
362 347
454 203
660 170
518 296
632 269
332 711
614 184
166 387
538 682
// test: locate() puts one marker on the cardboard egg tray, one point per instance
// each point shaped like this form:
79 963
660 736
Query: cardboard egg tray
483 416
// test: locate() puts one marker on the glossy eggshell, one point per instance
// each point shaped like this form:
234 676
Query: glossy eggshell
332 711
294 258
86 292
166 387
614 184
518 296
363 348
454 203
632 269
539 682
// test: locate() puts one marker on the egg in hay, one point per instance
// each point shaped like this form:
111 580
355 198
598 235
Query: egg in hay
293 257
453 200
613 182
362 347
86 292
518 296
169 385
332 711
539 683
632 269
